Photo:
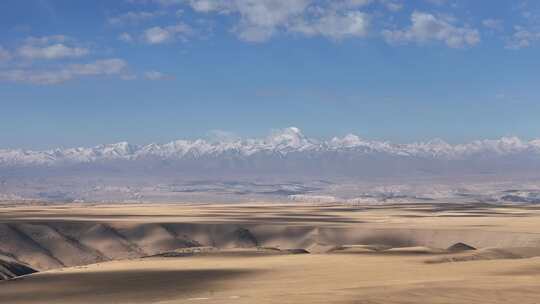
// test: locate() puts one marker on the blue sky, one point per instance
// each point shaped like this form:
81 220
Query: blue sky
76 72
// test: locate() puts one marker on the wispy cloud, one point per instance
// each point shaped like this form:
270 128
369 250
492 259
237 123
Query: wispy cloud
522 38
49 48
493 24
427 27
105 67
125 37
155 75
391 5
55 51
46 39
261 20
158 35
5 55
134 17
335 25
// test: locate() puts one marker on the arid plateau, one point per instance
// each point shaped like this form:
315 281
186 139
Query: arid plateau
270 253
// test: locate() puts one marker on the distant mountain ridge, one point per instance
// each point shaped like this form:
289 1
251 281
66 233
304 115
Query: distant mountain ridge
289 141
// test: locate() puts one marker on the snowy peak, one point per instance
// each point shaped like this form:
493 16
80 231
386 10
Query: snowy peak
289 138
281 142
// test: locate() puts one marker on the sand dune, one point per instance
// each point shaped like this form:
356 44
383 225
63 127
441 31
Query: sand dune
312 278
264 253
10 268
25 249
492 254
49 245
460 247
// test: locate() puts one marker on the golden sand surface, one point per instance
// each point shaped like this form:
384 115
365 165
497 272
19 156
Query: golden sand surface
358 254
439 215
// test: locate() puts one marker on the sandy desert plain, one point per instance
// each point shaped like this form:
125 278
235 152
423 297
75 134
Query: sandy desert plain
270 253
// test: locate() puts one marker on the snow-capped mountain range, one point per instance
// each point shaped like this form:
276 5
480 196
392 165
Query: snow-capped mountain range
286 163
279 144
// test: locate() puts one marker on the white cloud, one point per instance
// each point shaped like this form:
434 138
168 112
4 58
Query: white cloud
260 20
106 67
493 24
255 34
125 37
5 55
50 47
34 76
522 38
426 27
336 25
157 35
207 5
155 75
393 6
54 51
46 39
99 67
133 17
